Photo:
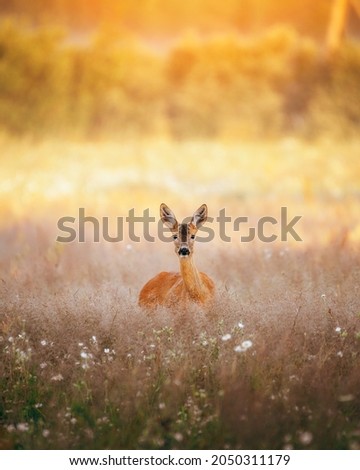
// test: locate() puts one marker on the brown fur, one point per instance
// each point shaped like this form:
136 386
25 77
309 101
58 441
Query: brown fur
168 289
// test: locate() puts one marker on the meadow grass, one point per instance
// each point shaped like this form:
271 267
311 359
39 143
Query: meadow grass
272 364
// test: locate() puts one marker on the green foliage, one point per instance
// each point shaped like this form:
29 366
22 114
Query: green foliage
225 86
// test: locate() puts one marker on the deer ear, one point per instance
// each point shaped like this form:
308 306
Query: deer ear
200 216
168 217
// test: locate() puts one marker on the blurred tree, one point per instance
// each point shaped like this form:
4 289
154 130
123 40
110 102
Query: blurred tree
337 23
336 26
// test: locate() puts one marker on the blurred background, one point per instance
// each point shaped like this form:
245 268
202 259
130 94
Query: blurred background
243 68
114 104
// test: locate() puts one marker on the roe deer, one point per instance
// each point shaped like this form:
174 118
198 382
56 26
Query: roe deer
169 289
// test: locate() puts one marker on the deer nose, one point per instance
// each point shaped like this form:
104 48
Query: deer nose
184 251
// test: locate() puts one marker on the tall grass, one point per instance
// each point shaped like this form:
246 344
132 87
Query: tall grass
272 364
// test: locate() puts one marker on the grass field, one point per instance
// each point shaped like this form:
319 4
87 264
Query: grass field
273 364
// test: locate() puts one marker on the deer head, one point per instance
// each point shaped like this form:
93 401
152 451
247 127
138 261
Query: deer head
184 234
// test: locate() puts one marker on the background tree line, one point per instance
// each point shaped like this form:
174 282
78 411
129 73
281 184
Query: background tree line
115 68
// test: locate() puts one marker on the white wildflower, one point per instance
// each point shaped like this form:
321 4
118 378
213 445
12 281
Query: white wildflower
22 427
178 437
226 337
305 438
57 378
243 346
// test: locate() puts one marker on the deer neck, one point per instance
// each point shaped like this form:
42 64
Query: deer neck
191 278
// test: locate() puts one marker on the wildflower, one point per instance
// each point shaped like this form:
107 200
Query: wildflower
243 346
93 339
84 355
240 325
46 433
305 438
10 428
43 365
22 355
178 437
161 406
103 420
106 350
22 427
226 337
340 354
43 342
338 329
57 378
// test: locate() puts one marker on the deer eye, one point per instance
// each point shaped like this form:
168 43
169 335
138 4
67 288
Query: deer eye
175 237
193 236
